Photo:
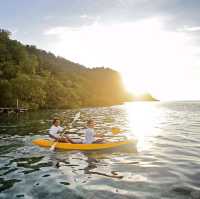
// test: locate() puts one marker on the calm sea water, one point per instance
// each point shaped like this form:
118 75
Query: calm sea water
165 165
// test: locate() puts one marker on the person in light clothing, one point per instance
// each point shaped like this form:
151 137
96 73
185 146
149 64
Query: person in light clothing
90 135
55 130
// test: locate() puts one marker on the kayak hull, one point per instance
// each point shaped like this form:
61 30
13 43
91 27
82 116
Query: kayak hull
83 147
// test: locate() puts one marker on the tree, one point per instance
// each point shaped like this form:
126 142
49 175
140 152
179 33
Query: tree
29 90
39 79
6 97
4 35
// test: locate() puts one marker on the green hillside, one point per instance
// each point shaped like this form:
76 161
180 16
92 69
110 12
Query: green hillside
39 79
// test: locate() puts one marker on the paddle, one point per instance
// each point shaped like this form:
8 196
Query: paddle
75 118
116 131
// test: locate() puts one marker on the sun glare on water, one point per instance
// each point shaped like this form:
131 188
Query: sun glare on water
142 118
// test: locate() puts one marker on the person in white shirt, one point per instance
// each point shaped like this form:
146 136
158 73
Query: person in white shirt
90 135
55 130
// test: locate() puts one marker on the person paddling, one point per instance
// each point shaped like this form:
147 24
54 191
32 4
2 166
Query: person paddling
56 129
90 135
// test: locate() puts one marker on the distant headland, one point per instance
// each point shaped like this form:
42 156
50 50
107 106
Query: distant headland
141 97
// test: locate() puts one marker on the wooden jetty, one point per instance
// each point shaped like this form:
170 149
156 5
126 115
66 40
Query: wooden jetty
16 109
12 110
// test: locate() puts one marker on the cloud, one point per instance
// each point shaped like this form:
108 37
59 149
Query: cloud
48 17
190 29
177 13
59 31
84 16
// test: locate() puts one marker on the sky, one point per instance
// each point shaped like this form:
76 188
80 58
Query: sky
154 44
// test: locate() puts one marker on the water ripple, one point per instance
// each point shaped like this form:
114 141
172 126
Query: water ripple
165 165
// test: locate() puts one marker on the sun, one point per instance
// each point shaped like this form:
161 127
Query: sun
135 84
151 58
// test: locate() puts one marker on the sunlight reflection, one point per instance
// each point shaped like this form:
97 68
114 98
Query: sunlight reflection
142 118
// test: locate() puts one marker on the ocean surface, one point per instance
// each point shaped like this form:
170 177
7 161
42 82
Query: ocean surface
164 164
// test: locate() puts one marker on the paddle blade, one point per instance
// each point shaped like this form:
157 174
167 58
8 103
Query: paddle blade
116 131
76 117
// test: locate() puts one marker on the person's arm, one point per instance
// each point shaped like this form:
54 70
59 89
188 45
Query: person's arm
99 134
53 133
60 129
53 137
66 136
51 130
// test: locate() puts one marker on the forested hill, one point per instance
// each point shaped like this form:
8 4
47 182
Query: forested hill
39 79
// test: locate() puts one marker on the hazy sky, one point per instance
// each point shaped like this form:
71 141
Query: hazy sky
155 44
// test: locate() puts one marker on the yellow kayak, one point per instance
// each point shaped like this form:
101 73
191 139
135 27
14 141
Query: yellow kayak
83 147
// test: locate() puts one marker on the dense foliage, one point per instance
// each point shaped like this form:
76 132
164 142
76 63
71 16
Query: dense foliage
39 79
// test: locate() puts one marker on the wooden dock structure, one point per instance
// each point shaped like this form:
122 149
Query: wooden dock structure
16 109
12 110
